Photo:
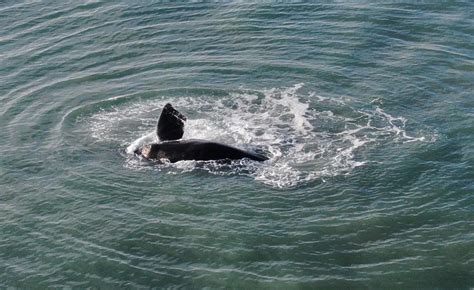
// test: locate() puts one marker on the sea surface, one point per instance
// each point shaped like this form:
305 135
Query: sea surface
366 112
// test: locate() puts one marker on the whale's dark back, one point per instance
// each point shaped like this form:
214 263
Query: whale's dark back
197 150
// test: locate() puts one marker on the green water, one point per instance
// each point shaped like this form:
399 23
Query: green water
365 110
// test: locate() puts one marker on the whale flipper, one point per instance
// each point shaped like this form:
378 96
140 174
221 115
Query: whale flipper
171 124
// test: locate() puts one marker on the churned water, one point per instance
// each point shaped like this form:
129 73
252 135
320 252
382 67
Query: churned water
365 110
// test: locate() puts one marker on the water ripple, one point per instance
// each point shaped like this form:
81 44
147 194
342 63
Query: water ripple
363 108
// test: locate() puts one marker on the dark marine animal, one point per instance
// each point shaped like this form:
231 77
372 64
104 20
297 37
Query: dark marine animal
170 129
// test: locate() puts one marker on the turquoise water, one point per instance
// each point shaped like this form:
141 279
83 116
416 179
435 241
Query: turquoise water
365 110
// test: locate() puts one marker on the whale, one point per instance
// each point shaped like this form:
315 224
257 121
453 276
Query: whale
170 130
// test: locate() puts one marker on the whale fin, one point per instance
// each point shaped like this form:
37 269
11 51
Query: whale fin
171 124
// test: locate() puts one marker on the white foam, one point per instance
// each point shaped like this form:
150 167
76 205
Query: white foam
288 100
303 144
146 139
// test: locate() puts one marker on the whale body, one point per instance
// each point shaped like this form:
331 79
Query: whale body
170 129
201 150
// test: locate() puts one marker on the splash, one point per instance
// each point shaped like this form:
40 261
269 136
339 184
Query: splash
306 136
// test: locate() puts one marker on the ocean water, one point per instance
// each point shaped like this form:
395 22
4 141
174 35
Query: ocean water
365 110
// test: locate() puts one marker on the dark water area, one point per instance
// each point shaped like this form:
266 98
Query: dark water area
365 110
